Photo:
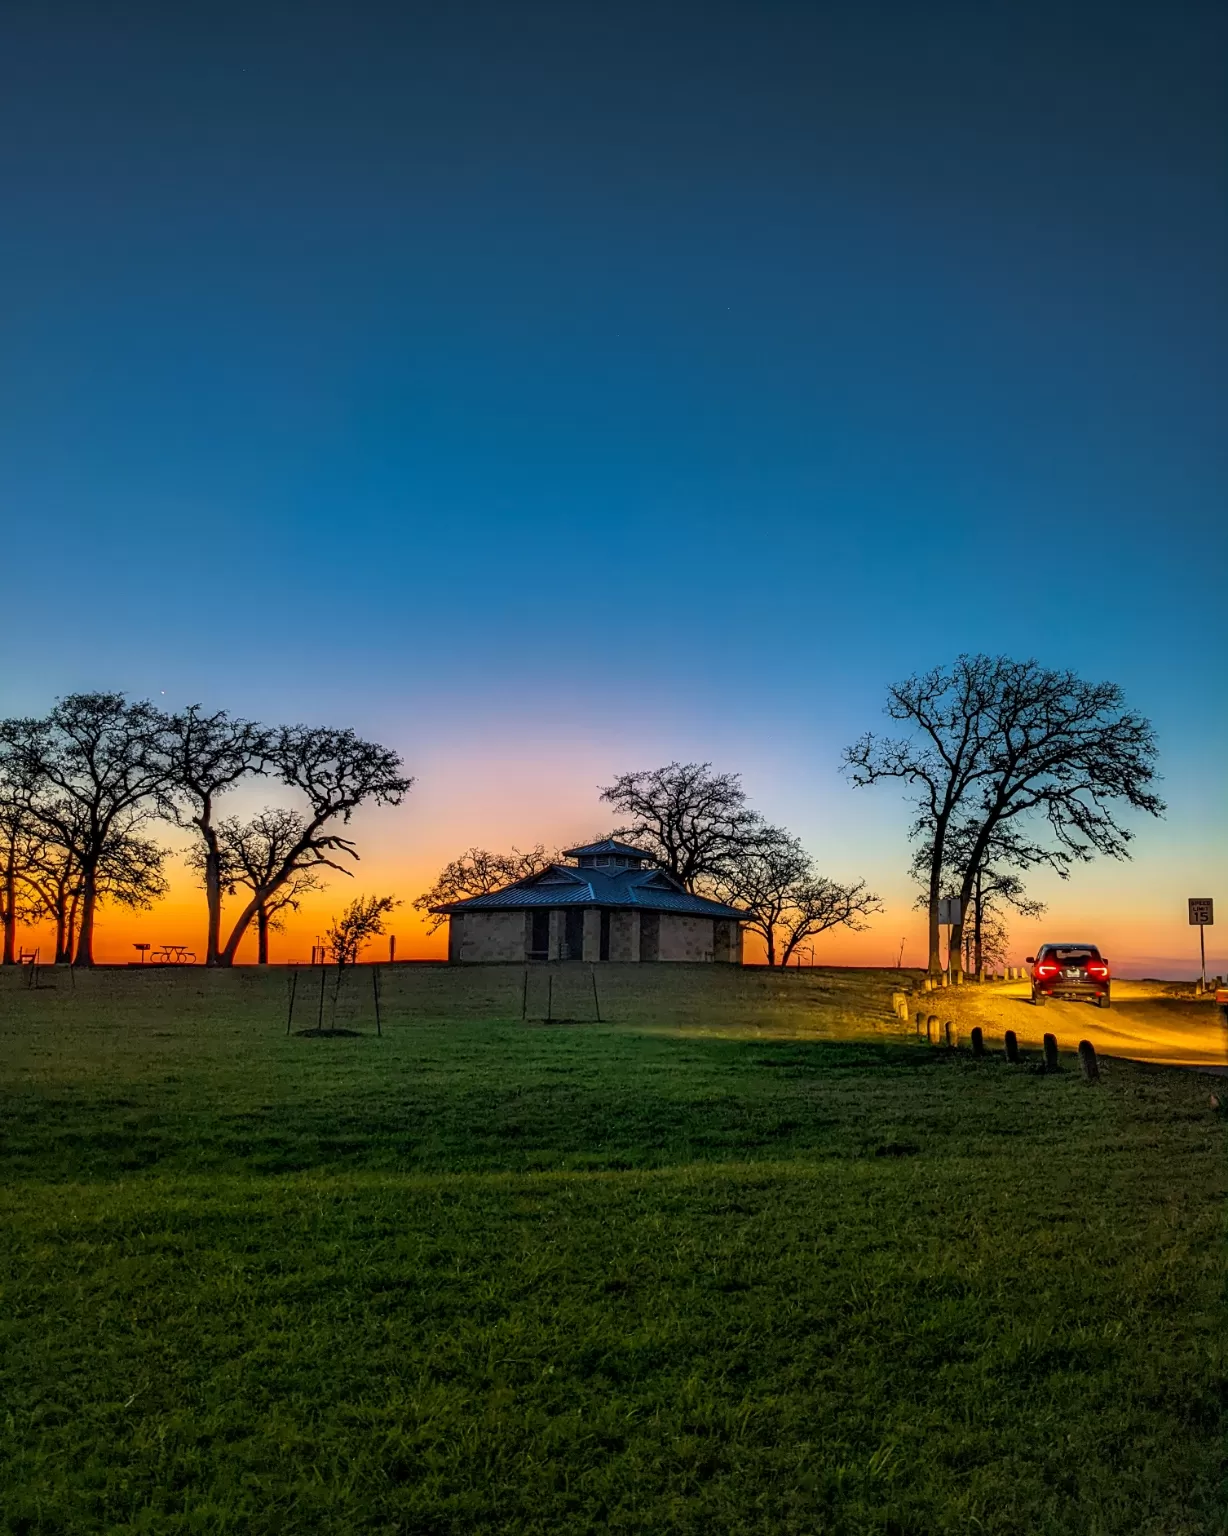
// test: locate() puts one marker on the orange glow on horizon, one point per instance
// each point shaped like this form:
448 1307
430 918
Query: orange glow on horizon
1128 940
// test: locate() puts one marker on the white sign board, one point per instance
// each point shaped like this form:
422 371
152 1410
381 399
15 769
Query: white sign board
1202 912
949 909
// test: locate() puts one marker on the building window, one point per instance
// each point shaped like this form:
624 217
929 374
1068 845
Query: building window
539 934
650 935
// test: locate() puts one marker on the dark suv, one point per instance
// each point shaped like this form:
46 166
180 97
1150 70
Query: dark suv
1070 970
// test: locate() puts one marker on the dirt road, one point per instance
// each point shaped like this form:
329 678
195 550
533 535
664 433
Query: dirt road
1148 1021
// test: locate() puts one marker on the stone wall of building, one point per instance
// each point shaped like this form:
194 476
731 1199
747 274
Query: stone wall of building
685 938
727 942
624 935
486 936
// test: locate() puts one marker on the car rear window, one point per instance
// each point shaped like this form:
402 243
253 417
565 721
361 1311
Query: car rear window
1073 953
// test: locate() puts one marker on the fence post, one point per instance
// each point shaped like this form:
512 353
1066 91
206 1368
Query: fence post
293 990
978 1041
1087 1060
375 988
1051 1053
1011 1046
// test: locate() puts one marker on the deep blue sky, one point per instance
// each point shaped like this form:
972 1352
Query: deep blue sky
348 350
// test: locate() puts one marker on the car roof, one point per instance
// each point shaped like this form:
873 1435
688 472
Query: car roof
1070 944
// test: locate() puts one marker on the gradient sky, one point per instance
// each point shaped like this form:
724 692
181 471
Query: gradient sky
553 390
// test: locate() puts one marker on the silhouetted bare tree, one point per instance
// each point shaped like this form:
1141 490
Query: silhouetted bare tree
786 900
477 872
998 742
92 770
690 819
206 755
130 873
14 858
336 772
249 855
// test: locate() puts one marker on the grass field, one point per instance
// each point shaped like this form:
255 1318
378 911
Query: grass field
740 1260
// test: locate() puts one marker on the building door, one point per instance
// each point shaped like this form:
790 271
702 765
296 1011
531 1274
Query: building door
605 935
573 933
650 935
539 934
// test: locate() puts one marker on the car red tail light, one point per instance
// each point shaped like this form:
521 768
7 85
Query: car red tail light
1047 968
1098 969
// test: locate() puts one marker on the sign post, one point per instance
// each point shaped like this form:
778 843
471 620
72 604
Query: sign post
1202 916
950 912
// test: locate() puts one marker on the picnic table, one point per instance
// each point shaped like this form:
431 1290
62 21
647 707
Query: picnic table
173 954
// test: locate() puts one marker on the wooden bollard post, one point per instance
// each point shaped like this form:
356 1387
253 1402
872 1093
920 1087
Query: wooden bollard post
951 1034
978 1041
1051 1053
920 1023
1011 1046
931 1029
1087 1060
944 980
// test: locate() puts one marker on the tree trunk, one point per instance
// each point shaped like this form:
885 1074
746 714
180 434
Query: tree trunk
935 928
262 935
63 954
10 910
213 893
226 955
70 926
85 934
978 914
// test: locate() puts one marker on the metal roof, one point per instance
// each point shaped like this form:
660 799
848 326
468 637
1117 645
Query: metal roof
608 845
563 885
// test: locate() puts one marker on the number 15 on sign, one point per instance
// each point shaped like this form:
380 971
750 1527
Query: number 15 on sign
1202 915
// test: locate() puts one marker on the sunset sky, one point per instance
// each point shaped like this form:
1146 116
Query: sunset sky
554 390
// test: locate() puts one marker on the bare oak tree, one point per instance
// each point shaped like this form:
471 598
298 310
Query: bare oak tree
336 772
786 900
690 819
940 761
249 855
206 755
478 872
92 769
14 859
999 745
130 873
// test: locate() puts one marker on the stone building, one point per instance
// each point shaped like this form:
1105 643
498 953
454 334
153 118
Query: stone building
605 906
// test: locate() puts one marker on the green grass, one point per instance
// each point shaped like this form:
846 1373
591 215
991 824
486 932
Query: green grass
716 1267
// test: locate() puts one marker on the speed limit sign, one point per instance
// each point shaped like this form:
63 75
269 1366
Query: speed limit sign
1202 912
